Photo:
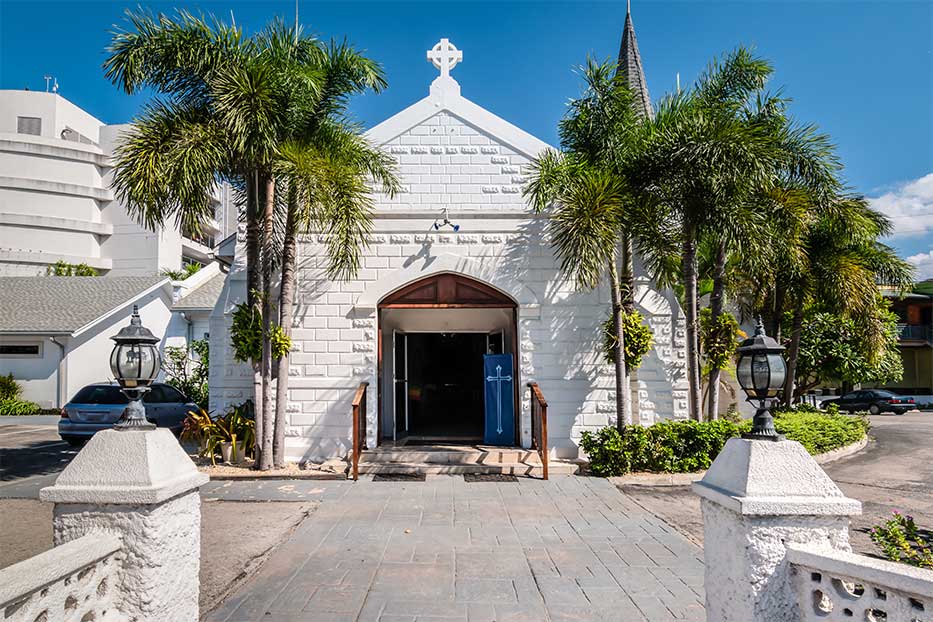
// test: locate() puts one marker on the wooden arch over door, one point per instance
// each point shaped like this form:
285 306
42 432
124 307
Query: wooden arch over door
447 291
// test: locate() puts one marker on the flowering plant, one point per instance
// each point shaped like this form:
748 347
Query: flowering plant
901 541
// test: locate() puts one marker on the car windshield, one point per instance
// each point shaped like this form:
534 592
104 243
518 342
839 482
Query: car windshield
100 394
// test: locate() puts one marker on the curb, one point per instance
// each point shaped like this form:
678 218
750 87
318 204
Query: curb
685 479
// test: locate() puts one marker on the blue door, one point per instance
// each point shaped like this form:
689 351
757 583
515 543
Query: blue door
498 379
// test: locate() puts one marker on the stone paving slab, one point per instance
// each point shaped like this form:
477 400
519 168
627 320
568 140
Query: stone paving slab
443 550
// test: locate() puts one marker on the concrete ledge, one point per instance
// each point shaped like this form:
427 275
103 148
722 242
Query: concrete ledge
685 479
35 573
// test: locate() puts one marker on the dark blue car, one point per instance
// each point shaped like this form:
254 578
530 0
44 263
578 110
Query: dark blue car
99 406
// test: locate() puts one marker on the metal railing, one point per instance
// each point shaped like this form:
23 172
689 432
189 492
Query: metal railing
359 429
539 425
912 332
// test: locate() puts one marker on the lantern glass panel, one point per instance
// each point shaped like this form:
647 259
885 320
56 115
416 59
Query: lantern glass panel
135 364
778 372
761 374
744 372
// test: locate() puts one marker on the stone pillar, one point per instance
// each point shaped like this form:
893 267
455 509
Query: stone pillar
757 497
140 485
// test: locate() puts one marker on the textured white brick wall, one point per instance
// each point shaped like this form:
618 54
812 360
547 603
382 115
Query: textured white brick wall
447 163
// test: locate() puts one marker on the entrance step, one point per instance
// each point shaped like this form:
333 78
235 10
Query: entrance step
555 467
448 454
459 460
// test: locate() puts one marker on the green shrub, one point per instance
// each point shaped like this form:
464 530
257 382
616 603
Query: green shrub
17 408
9 388
900 541
689 446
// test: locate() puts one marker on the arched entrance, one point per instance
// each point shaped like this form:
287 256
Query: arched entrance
433 335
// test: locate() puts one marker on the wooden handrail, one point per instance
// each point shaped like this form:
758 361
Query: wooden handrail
539 424
359 429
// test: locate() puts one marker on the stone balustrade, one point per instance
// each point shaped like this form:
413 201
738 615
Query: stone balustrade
837 586
776 545
75 581
127 527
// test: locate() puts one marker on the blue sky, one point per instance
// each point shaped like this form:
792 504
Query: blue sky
860 70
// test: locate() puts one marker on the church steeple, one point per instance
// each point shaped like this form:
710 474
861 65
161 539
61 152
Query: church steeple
630 66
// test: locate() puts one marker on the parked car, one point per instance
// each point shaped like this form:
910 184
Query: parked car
873 400
99 406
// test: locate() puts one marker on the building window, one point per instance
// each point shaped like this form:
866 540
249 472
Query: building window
29 125
21 350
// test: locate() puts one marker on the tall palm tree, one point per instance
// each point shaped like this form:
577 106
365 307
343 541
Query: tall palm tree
228 104
587 188
700 161
839 267
329 176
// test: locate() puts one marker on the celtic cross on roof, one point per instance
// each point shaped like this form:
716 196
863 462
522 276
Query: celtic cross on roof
445 56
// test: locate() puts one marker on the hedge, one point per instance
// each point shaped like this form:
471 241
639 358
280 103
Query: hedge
688 446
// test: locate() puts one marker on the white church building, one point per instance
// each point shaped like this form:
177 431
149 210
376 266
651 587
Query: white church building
459 267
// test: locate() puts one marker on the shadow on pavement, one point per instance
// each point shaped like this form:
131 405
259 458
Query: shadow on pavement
42 457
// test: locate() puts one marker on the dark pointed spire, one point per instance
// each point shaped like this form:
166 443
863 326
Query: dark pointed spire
630 66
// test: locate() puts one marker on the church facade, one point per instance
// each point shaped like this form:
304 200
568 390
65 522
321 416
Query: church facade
459 285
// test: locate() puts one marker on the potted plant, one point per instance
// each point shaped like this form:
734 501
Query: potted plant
231 434
196 429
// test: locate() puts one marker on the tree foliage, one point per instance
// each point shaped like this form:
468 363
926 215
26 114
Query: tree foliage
638 339
246 335
63 268
187 370
719 338
835 347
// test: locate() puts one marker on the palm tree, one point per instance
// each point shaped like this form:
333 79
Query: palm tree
228 104
328 177
839 267
701 161
586 185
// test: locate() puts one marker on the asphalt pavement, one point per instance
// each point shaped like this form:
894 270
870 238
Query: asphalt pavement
894 472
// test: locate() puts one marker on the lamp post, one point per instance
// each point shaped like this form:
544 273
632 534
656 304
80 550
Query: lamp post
761 371
135 363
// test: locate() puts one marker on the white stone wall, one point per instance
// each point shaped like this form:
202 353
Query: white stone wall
446 162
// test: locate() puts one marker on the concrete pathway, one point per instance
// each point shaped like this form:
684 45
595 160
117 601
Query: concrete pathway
444 550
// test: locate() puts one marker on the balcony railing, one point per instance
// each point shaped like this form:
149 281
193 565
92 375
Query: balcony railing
911 332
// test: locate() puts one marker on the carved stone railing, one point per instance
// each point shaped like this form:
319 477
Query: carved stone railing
359 430
78 580
833 585
539 425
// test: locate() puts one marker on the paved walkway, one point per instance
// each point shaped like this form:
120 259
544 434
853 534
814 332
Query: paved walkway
444 550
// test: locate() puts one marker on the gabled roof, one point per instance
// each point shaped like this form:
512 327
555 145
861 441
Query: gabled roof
445 96
66 304
631 69
204 296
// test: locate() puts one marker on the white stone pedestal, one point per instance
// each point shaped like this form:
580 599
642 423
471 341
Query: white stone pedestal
140 485
758 497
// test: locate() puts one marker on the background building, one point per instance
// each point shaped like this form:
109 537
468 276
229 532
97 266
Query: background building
56 202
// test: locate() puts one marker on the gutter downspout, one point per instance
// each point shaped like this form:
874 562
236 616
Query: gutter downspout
61 373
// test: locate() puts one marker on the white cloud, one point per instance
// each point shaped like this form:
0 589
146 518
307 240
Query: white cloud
924 265
910 208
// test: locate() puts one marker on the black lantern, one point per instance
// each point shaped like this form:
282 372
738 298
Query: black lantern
135 363
761 372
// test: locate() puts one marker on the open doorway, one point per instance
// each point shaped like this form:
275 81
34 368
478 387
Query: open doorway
445 387
434 337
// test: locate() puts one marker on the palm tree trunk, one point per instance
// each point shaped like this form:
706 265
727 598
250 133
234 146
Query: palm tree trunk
693 346
715 306
777 314
623 391
253 241
627 295
286 299
793 352
265 460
